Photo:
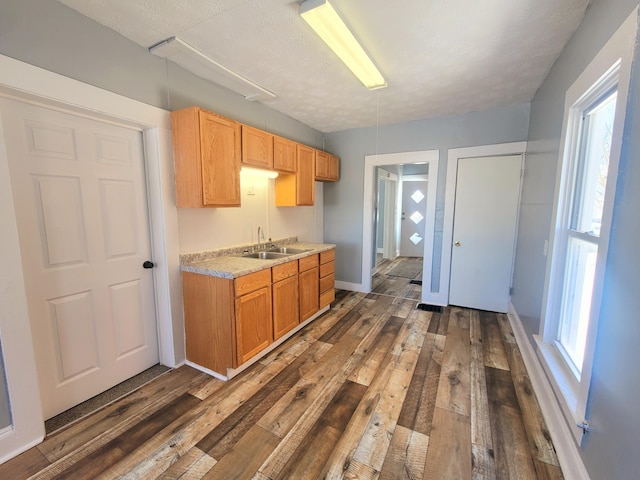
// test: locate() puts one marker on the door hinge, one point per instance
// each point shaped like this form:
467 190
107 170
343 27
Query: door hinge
585 426
510 290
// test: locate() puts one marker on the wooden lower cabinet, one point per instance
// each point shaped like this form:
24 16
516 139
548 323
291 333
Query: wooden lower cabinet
285 306
309 286
228 322
254 326
209 321
327 277
286 311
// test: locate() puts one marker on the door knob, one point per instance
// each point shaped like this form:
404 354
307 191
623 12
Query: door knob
457 244
148 264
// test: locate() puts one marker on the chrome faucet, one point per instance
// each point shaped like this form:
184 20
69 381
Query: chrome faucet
260 233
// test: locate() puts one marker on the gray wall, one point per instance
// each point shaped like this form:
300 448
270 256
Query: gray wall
343 201
47 34
5 411
610 450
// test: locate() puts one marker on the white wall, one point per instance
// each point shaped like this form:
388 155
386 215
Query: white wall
15 332
211 228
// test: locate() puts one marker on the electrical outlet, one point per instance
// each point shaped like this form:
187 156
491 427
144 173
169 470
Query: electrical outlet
545 249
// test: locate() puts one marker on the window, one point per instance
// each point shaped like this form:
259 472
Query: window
582 225
595 107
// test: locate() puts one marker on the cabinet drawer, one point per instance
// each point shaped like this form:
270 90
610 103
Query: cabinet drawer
327 297
327 283
286 270
327 269
328 256
309 262
253 281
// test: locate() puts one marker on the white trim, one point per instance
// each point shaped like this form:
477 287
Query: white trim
430 157
563 439
454 154
352 287
25 82
391 214
619 48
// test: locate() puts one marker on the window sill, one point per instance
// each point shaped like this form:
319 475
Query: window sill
564 385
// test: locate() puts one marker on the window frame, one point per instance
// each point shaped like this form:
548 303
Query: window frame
610 67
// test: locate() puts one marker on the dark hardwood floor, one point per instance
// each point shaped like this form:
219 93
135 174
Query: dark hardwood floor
374 388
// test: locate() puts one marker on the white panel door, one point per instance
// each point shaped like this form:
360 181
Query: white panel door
484 232
412 224
80 199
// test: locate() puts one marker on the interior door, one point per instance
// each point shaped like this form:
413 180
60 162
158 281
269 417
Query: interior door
412 223
80 200
484 232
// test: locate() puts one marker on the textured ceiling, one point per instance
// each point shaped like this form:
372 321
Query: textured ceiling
439 57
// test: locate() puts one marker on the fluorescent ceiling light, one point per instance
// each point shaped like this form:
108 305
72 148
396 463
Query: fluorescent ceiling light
326 22
198 63
256 172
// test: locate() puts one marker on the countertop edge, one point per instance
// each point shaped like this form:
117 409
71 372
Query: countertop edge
233 266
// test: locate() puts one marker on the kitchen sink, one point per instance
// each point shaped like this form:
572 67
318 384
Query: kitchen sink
287 250
266 255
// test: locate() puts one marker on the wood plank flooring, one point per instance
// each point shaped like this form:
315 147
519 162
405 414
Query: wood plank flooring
374 388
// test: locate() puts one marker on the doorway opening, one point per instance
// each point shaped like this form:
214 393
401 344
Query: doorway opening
383 235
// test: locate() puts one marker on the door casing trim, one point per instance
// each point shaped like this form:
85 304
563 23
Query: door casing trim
31 84
431 157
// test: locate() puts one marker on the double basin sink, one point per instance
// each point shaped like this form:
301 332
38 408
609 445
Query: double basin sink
274 253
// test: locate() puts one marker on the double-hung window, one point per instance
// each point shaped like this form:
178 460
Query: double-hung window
588 166
579 232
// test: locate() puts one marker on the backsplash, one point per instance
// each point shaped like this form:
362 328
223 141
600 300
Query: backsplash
236 250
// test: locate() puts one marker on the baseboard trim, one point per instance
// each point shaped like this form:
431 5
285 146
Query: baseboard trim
23 448
568 454
352 287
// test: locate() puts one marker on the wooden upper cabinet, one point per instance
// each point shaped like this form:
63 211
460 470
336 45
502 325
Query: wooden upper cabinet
305 175
327 167
257 148
284 155
298 189
207 153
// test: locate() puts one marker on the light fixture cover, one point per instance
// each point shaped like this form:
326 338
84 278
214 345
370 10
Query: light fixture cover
326 22
257 172
192 59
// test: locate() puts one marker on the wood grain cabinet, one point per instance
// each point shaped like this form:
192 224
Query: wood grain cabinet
226 321
327 278
327 167
309 286
298 189
257 148
230 321
285 292
207 150
209 321
253 321
284 155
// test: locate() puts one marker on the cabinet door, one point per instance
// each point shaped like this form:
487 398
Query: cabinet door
285 306
220 151
309 293
322 165
334 168
254 327
257 147
284 155
305 175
